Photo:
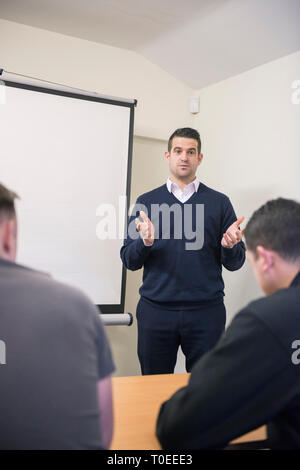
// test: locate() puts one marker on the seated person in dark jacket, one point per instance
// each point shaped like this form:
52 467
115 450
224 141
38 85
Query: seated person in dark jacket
252 376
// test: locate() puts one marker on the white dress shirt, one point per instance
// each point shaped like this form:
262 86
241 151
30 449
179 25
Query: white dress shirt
188 191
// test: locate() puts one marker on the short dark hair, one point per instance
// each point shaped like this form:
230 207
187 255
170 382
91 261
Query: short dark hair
276 226
7 203
188 133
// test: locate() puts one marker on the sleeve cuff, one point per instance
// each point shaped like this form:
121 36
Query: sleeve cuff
145 243
141 247
230 251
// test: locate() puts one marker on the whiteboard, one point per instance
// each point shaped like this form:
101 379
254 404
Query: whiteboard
68 157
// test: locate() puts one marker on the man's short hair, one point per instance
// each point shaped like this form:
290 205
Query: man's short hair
7 203
188 133
276 226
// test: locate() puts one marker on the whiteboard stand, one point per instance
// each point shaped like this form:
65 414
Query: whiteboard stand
117 319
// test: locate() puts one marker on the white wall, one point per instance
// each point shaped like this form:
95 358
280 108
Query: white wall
251 144
163 101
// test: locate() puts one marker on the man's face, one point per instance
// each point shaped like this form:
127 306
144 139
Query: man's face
184 158
263 271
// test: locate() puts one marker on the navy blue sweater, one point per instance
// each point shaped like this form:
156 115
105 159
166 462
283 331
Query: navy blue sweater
173 275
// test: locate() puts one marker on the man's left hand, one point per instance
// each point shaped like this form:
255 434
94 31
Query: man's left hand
233 234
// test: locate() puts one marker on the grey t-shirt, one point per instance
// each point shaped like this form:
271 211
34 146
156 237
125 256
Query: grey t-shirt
56 350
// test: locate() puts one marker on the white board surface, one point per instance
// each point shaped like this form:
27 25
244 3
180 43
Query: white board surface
65 157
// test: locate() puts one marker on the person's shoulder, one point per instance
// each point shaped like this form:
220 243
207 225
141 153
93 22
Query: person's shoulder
278 301
254 316
62 296
257 307
70 295
279 312
153 194
217 195
20 271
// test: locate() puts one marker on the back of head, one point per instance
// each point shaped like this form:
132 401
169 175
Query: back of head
8 224
187 133
276 227
7 204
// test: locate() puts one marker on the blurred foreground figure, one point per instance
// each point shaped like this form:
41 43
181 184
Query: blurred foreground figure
55 384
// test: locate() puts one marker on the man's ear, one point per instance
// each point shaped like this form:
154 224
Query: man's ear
200 158
265 258
6 236
167 155
9 239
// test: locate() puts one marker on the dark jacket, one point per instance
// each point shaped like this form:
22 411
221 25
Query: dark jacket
251 378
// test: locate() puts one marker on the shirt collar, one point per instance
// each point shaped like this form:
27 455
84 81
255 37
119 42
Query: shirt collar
171 184
296 280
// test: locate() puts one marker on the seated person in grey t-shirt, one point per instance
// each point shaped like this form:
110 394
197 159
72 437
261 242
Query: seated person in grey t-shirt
55 364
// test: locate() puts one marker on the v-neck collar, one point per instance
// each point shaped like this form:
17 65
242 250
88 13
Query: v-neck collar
201 188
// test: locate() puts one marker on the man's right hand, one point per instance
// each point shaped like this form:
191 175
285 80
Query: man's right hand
145 228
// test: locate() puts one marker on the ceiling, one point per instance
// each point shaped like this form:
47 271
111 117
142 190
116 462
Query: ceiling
199 42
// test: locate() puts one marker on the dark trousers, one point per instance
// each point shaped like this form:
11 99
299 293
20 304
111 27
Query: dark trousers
162 331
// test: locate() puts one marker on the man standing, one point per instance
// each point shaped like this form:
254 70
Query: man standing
187 232
252 376
55 388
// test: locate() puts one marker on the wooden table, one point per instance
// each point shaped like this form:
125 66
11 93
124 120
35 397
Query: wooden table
136 404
